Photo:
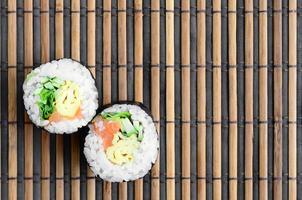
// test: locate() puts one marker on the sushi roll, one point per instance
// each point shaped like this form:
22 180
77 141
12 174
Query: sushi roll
122 143
60 96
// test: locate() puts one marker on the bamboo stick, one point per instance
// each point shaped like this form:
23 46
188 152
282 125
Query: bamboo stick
45 156
216 100
91 63
59 167
278 100
122 70
59 138
138 49
263 100
12 101
44 30
75 143
12 97
91 36
138 78
185 97
170 116
292 101
28 127
249 53
232 100
107 73
122 51
59 29
201 99
155 90
12 170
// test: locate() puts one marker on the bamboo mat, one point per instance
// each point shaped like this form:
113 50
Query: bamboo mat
222 78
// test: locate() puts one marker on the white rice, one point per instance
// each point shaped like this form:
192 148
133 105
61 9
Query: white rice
144 157
65 69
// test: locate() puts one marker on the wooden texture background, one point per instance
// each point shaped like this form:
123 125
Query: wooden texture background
222 78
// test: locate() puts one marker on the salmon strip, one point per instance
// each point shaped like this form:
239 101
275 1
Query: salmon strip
56 117
108 131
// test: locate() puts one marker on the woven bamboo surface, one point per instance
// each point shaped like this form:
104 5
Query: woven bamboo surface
222 78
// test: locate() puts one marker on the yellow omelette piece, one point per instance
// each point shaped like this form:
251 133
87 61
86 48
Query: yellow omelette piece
122 150
67 99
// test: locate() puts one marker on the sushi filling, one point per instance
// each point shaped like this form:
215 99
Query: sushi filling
58 99
121 135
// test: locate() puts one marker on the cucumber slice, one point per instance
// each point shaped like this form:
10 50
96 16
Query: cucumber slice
49 86
116 115
38 90
45 79
128 127
131 133
121 135
137 126
57 81
140 136
140 128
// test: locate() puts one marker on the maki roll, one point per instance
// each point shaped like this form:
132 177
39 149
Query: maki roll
122 143
60 96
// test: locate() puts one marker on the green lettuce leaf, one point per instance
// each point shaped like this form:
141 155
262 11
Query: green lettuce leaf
47 94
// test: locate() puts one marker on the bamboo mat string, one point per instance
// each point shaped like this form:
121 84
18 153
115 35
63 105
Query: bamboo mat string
270 101
28 127
155 90
263 142
249 53
138 78
12 100
107 72
185 106
216 100
122 70
232 100
177 100
170 110
292 100
37 133
59 28
45 154
75 143
201 99
91 45
277 100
